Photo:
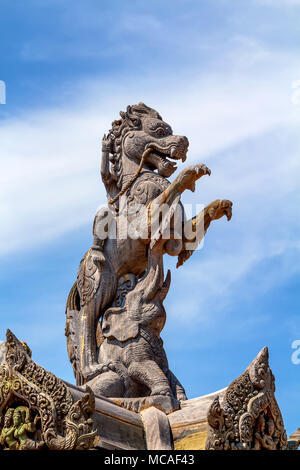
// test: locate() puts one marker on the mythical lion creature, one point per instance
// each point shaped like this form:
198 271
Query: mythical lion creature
138 155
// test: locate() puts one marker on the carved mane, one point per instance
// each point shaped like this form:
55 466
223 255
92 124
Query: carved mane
131 119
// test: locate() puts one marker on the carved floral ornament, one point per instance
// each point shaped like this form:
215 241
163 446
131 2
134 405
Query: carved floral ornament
248 417
37 409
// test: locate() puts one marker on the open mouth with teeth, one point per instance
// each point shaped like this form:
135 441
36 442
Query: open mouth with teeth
158 159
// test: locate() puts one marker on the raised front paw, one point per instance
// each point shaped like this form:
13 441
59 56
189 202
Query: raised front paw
219 208
107 144
191 174
201 170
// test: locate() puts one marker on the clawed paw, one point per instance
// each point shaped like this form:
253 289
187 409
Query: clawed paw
202 169
165 392
107 145
191 174
219 208
228 209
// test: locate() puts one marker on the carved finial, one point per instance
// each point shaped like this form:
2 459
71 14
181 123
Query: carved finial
249 417
259 369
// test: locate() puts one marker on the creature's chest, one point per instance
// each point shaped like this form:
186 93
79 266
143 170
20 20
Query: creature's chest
146 188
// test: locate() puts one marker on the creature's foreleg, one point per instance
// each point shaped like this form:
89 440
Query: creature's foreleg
105 170
185 180
198 225
164 208
150 374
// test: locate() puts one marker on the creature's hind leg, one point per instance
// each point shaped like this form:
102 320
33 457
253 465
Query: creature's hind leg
150 374
107 384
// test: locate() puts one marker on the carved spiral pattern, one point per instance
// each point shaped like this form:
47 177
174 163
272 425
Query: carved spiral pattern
147 187
88 278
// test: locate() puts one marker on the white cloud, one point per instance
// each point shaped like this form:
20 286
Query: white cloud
236 117
280 3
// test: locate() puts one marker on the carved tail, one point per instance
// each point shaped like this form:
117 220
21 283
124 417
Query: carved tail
72 330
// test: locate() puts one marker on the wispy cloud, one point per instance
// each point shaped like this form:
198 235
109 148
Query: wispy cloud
50 181
219 72
240 121
280 3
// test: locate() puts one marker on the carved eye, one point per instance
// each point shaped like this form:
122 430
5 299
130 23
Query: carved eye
160 131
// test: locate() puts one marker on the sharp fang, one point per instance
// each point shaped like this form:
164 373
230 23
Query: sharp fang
173 151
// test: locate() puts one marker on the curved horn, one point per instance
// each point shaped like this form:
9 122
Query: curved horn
151 283
165 287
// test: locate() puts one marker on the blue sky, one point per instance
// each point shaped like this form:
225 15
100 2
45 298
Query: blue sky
220 72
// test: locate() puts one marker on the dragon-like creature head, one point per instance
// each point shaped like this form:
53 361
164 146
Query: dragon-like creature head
141 128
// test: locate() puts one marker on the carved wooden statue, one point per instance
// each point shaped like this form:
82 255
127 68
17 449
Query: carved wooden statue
115 309
115 315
